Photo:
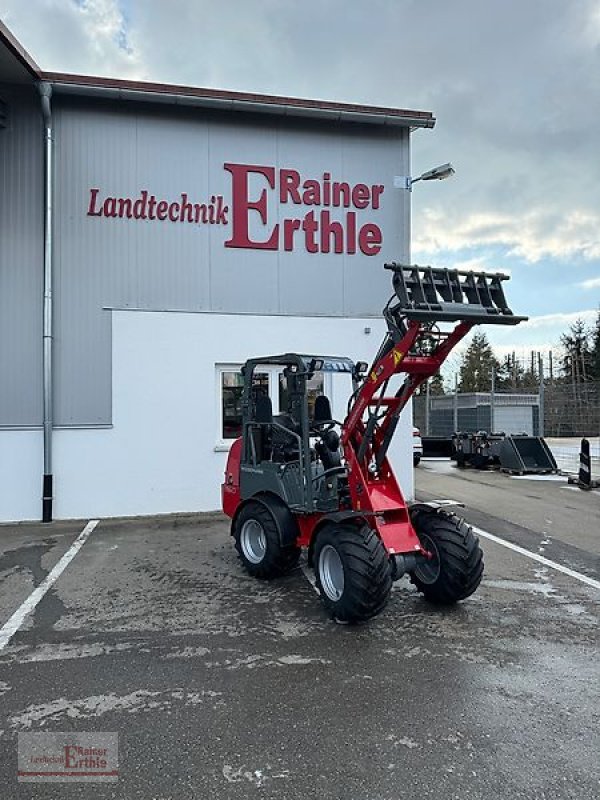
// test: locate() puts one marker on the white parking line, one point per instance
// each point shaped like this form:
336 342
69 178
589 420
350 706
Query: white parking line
14 623
534 556
540 559
517 549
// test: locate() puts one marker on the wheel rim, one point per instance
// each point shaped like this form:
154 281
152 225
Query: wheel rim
253 541
428 570
331 572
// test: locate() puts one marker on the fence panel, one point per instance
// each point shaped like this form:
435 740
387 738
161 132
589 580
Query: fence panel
569 410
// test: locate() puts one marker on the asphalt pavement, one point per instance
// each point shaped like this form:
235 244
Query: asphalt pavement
221 686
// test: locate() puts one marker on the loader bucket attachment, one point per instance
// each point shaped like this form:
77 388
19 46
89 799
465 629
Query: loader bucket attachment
525 455
435 294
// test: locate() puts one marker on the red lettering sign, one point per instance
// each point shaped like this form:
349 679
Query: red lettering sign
260 196
241 205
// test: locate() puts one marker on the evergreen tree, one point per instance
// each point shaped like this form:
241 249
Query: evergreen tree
530 378
478 361
436 386
512 374
595 353
509 374
577 358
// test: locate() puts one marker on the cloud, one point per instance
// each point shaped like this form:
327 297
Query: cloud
88 36
540 334
560 321
533 236
475 264
592 283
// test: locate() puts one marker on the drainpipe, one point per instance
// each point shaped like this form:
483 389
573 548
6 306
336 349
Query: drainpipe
45 90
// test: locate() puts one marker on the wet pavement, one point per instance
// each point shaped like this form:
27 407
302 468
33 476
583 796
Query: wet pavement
546 506
221 686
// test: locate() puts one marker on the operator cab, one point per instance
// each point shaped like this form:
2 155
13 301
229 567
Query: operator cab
294 454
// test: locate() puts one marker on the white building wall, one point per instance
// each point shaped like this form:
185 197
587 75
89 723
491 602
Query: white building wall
20 475
162 455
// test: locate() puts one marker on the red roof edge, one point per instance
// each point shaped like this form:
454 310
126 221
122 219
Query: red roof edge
218 94
17 49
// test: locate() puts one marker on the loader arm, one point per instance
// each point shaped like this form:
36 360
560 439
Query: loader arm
416 346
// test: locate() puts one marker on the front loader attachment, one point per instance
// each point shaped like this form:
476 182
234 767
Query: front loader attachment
432 294
524 455
415 346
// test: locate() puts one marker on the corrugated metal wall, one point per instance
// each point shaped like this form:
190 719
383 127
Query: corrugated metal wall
102 263
21 258
512 413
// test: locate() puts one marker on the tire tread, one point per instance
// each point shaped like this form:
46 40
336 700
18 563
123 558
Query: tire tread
368 579
461 568
278 560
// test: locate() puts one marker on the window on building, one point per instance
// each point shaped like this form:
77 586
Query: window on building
232 385
315 388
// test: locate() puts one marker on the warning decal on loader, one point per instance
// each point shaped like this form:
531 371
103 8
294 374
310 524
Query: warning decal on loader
397 355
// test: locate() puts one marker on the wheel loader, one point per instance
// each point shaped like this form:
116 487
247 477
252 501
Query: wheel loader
301 479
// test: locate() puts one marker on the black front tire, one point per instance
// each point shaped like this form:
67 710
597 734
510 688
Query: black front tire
456 569
416 460
258 545
352 572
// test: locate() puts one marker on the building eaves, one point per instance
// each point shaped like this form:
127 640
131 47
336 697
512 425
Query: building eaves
18 51
142 91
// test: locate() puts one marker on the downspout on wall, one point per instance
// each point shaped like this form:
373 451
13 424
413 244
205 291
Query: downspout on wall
45 90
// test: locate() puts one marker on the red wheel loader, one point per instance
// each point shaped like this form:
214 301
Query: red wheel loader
304 480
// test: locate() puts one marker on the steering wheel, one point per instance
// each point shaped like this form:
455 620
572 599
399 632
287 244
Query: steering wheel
324 426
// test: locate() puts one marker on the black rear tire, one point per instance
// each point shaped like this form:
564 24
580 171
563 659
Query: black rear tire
258 545
456 569
352 572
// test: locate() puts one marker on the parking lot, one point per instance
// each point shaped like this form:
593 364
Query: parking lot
220 686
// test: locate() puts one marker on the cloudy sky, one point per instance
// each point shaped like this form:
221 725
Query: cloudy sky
514 85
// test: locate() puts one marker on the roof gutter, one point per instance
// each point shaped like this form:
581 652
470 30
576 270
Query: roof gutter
279 108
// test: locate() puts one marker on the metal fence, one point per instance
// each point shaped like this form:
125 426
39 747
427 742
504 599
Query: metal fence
555 409
572 409
442 415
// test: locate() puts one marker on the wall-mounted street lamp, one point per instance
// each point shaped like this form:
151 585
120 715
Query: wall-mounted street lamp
436 174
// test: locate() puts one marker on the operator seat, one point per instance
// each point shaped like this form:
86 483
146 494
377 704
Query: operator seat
328 449
262 433
322 413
